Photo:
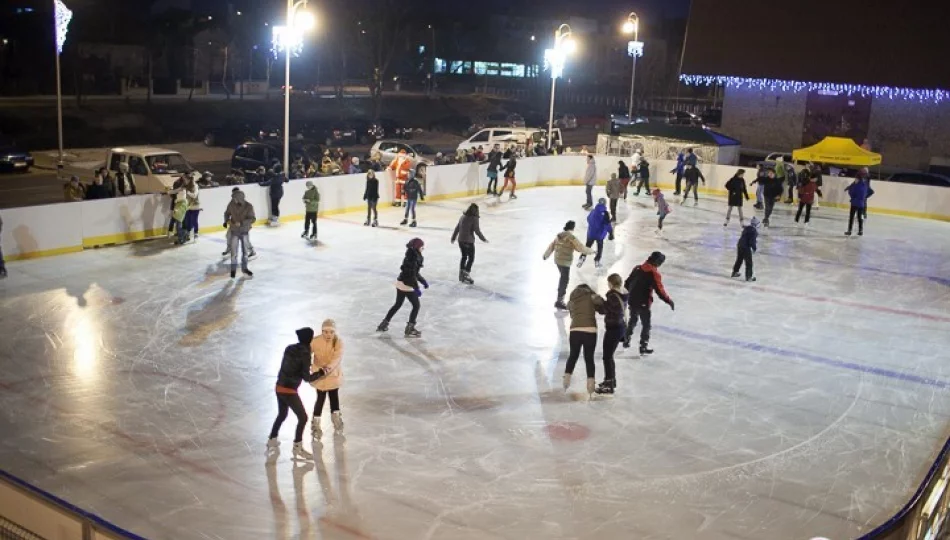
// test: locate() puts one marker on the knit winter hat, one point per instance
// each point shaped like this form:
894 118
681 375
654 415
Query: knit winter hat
309 184
329 323
416 243
305 335
754 222
601 201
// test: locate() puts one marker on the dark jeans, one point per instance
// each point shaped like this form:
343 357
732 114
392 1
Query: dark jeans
562 282
310 217
659 222
600 247
3 266
587 341
275 206
321 399
744 255
694 186
191 221
641 313
402 296
769 206
679 181
468 255
613 209
292 402
807 208
856 211
590 195
411 207
612 338
371 209
644 183
791 190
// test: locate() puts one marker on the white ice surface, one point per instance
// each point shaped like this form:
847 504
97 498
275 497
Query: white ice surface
138 382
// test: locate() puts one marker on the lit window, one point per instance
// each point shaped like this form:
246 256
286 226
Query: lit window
440 65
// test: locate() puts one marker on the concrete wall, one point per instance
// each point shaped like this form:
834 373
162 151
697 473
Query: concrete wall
764 120
68 227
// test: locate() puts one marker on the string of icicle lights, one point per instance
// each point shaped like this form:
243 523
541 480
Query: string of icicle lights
890 92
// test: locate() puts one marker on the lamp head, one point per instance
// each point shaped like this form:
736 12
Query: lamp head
304 21
629 27
569 45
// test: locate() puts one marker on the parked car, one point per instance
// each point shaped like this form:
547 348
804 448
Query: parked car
387 128
565 121
921 178
505 136
712 117
235 133
341 133
422 155
457 124
155 169
251 155
683 118
13 158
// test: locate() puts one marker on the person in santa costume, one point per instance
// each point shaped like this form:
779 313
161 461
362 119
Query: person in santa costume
402 164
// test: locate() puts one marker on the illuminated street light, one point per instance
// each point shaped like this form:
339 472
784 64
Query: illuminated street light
554 60
634 49
289 39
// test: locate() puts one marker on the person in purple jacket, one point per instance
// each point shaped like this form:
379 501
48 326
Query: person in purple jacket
859 192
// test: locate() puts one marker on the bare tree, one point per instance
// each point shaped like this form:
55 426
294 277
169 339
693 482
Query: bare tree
380 26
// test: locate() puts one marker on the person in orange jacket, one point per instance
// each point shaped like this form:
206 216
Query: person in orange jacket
401 165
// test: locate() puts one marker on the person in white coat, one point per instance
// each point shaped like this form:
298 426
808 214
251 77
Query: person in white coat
590 180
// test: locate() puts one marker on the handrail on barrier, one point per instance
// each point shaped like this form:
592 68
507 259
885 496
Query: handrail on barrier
91 524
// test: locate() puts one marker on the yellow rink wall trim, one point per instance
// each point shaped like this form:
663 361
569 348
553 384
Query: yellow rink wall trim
133 236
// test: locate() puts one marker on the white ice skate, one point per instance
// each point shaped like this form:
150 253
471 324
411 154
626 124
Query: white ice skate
315 429
581 260
337 418
300 453
591 386
273 443
566 381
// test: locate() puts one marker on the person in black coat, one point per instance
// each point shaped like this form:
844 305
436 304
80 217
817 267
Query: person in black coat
294 369
623 173
510 176
644 176
746 246
407 287
371 196
693 175
275 183
737 190
494 163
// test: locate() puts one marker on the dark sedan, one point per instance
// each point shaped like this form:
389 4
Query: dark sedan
345 133
13 159
388 128
251 155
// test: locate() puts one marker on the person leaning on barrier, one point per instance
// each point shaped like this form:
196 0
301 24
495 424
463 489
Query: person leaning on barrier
73 191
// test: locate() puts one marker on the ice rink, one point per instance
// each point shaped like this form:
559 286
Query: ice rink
138 382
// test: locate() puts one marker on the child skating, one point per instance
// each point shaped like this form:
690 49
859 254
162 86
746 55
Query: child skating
737 190
746 246
413 193
327 351
662 209
563 247
407 287
584 306
806 197
466 231
598 227
643 281
294 369
614 330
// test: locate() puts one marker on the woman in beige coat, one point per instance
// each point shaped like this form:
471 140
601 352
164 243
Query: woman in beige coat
327 351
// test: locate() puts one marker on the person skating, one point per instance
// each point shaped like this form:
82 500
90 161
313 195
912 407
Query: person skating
761 178
584 305
563 247
510 175
803 177
770 193
371 196
806 197
693 175
623 172
614 192
745 247
859 193
311 203
192 194
614 329
494 163
466 231
643 177
238 218
327 349
598 227
407 287
678 170
736 188
643 281
663 209
413 193
275 190
294 369
590 180
227 237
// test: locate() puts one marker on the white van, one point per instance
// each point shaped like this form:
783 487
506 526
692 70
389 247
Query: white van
506 136
155 169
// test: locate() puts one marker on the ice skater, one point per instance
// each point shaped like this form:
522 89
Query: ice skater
294 369
678 170
510 175
859 193
640 285
179 214
623 172
311 203
761 175
227 237
771 190
563 247
238 218
275 190
371 196
466 231
692 175
806 197
736 188
584 306
598 227
494 163
745 247
413 193
590 180
407 287
663 209
614 192
643 177
615 327
327 351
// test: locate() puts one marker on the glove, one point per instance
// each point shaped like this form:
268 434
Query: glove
672 307
424 283
611 237
418 293
225 225
318 374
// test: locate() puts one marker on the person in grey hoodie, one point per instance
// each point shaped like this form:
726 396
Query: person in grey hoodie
590 180
563 247
238 218
466 231
585 304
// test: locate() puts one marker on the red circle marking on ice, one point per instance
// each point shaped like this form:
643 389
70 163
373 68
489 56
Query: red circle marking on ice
567 431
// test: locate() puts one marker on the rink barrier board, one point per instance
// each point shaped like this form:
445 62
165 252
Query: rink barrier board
50 230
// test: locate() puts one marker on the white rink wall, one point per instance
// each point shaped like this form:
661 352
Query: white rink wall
39 231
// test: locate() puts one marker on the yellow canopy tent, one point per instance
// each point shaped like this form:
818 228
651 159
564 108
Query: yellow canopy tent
837 151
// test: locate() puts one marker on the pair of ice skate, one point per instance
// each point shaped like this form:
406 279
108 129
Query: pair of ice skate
750 278
317 433
404 221
583 259
606 387
375 223
465 277
410 331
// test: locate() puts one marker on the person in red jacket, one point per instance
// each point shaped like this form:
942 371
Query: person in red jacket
806 197
642 283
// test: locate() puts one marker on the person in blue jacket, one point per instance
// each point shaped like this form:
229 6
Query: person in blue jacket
598 228
680 163
859 190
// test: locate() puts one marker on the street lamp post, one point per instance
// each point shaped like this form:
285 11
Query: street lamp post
61 17
634 49
554 58
290 38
